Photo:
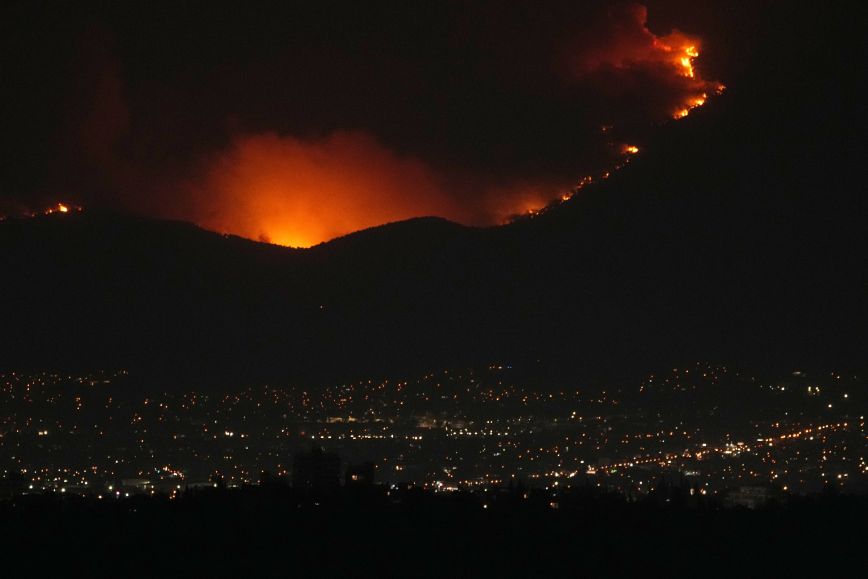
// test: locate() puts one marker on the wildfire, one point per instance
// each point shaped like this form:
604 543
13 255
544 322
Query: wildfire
301 190
626 150
683 58
695 102
686 61
50 210
58 208
298 192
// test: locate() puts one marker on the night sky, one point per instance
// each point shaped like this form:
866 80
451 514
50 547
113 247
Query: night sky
563 284
299 122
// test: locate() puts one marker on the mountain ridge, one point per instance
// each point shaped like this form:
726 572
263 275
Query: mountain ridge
736 235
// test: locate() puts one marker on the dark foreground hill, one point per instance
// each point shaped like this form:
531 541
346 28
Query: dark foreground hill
737 235
273 533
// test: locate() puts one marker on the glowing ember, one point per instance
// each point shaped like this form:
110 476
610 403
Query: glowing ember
58 208
50 210
631 149
696 102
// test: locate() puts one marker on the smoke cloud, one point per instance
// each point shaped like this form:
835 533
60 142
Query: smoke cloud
295 192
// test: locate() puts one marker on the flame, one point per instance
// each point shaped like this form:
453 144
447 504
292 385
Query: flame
626 49
684 52
695 102
50 210
58 208
682 57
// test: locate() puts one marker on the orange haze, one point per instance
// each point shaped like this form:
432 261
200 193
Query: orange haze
297 192
294 192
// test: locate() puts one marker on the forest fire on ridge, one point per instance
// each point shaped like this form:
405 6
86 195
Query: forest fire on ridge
299 193
300 150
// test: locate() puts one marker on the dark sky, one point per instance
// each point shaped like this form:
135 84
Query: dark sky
297 122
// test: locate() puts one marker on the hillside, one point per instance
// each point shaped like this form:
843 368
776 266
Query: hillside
737 235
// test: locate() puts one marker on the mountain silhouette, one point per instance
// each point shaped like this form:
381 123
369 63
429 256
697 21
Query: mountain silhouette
736 235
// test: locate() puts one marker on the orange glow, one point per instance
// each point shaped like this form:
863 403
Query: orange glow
680 51
299 193
625 45
695 102
51 209
58 208
686 52
631 149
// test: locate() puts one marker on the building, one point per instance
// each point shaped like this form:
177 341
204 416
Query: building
750 497
316 470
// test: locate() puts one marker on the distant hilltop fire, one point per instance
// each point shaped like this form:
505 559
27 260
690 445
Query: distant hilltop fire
296 191
506 118
59 207
683 58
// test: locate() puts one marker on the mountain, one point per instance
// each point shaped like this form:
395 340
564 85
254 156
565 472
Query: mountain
737 235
